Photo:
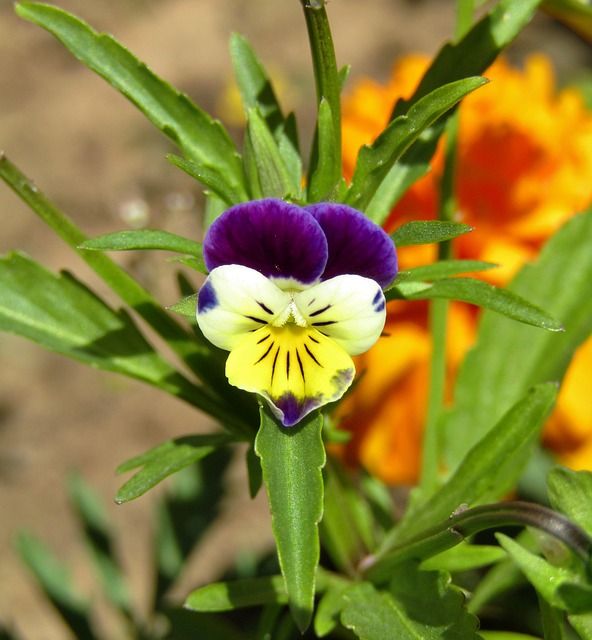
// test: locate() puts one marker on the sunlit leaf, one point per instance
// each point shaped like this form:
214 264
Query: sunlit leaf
201 138
479 293
59 313
168 458
226 596
428 231
143 239
510 357
291 459
376 160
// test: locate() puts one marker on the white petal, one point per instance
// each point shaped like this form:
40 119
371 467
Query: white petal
349 309
236 300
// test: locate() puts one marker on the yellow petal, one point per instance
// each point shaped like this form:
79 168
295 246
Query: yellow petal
296 369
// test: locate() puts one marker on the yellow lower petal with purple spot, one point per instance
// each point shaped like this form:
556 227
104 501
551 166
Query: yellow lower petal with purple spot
296 369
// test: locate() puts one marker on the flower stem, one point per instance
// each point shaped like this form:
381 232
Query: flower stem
438 315
464 523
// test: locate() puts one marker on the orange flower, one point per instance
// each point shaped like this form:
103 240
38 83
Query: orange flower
524 167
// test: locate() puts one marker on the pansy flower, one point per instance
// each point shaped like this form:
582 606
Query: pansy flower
292 293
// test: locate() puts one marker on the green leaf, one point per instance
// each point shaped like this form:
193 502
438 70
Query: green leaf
53 577
186 307
226 596
421 605
201 138
582 623
254 85
99 539
168 458
469 57
479 293
476 51
569 492
273 174
375 161
61 314
428 231
561 587
143 239
413 165
442 269
464 557
327 174
211 177
509 358
491 467
291 459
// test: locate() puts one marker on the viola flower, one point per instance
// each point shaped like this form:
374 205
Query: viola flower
292 293
544 137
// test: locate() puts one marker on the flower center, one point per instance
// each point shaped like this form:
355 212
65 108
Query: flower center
291 313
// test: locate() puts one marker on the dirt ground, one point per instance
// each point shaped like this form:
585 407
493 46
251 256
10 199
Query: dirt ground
92 153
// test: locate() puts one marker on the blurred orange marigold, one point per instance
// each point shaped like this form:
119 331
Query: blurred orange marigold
524 167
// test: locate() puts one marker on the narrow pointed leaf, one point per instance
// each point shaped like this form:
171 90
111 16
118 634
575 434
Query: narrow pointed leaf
291 459
226 596
273 174
143 239
481 294
168 458
490 469
186 307
428 231
55 581
476 51
375 161
561 587
469 57
327 173
60 314
442 269
98 536
201 138
509 357
254 84
213 179
570 492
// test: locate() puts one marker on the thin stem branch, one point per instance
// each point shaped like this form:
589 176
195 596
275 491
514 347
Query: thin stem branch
464 523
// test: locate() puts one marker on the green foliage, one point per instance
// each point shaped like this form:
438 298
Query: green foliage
165 459
428 231
201 138
375 161
143 239
391 578
419 605
509 357
291 459
226 596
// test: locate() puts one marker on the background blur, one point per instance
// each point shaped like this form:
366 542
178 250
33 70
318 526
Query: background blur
92 153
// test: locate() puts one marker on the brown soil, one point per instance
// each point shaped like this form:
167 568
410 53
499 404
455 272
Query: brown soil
95 155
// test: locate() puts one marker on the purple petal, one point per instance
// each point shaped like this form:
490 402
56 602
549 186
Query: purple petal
357 246
278 239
